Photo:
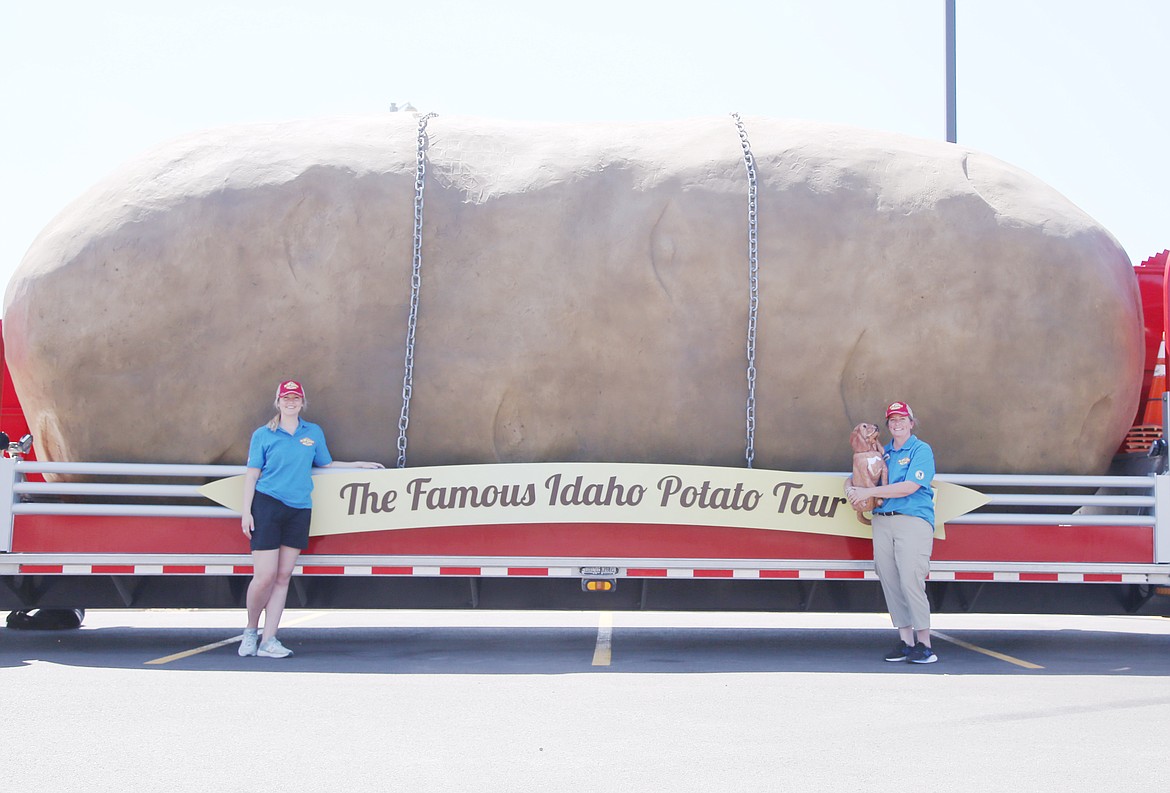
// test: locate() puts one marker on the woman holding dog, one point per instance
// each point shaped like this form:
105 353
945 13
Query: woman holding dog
903 533
277 509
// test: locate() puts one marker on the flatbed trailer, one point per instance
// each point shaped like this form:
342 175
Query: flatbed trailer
1046 544
143 535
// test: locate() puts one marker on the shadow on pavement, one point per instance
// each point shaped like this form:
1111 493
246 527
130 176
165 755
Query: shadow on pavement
570 650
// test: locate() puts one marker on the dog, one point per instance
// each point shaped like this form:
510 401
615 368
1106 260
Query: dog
869 465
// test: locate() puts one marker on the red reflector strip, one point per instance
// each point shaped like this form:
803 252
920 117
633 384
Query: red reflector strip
459 571
1108 578
572 572
48 569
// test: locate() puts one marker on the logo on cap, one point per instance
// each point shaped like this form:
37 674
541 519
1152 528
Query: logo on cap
897 409
290 387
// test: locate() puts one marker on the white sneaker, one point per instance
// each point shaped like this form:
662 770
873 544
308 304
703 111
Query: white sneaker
273 649
249 641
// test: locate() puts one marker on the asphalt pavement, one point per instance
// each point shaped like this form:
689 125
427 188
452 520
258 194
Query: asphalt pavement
416 700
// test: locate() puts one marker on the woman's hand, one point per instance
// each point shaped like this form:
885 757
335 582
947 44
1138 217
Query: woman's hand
247 523
857 494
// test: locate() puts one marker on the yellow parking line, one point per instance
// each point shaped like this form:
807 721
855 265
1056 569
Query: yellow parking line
985 651
235 639
196 651
603 651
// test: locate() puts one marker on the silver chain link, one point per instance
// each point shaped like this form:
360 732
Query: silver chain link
420 173
753 289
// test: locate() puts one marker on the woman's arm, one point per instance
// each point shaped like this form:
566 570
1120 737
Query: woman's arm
357 464
251 476
895 490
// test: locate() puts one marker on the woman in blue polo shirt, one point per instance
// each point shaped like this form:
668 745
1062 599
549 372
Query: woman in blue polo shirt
278 488
903 534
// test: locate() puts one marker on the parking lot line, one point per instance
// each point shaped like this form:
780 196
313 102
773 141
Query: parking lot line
603 650
166 659
985 651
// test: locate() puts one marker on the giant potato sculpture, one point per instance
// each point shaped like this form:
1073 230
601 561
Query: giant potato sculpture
584 297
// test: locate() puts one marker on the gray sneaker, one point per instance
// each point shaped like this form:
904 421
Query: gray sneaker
273 649
249 641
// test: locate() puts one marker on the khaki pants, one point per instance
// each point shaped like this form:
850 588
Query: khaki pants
901 556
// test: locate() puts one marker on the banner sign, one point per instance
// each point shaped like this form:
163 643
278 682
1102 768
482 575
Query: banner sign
363 500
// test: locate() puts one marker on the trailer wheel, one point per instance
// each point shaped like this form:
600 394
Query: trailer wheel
46 619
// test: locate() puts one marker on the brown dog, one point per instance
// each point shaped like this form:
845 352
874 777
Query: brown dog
869 467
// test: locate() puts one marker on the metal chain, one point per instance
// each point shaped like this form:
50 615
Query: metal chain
420 173
753 289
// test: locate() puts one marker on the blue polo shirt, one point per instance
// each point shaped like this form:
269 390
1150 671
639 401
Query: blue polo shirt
914 462
286 462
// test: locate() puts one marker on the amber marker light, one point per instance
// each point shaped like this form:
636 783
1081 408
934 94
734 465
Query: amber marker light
598 584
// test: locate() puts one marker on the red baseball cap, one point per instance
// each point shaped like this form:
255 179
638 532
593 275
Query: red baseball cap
290 387
898 409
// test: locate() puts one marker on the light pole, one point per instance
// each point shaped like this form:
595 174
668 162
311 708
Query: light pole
952 114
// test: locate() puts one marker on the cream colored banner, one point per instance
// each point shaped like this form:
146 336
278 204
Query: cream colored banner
361 500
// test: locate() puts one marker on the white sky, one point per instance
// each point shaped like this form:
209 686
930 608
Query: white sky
1072 90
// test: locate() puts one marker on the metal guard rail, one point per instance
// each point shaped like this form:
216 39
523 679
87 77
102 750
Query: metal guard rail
1127 508
1015 499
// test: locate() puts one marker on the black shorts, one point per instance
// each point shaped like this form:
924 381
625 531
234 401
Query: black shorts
275 523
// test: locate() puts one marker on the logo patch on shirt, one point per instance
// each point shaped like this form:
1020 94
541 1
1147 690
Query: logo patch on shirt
307 442
919 475
904 461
